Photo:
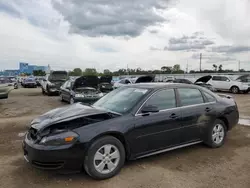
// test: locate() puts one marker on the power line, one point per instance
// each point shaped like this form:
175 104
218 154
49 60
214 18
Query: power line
200 60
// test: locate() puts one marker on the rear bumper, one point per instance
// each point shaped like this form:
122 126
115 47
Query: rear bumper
30 85
233 119
68 159
246 90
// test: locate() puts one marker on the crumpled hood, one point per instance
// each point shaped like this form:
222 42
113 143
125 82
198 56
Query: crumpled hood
64 114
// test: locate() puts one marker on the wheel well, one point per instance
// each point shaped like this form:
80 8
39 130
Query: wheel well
234 86
118 136
225 122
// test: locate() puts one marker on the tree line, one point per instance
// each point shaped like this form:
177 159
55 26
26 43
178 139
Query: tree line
176 69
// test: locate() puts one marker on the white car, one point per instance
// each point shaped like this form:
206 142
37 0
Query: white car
226 83
141 79
122 82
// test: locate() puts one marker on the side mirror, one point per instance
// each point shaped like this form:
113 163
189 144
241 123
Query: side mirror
150 108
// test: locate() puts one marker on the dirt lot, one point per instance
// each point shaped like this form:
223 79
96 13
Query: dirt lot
196 166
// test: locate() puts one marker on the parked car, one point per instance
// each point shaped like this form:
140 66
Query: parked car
122 82
29 83
182 80
83 89
131 122
39 81
5 87
52 82
105 84
205 85
141 79
225 83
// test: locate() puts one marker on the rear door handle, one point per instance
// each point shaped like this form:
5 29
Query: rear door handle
173 116
208 109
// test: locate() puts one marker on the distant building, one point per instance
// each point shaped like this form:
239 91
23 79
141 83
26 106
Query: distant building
24 68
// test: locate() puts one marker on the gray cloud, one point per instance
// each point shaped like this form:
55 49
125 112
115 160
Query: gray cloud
154 48
111 17
153 31
213 58
231 49
189 43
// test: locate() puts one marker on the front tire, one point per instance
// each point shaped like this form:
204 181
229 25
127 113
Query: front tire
105 158
216 134
235 90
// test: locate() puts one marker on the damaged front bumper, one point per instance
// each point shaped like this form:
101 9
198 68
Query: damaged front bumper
60 158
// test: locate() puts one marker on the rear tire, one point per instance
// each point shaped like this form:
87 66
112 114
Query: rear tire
216 134
235 90
104 158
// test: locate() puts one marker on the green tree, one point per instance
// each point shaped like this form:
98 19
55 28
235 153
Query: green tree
90 71
220 68
77 72
166 69
215 67
107 72
39 73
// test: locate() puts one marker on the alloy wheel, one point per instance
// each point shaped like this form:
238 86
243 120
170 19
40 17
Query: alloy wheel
218 134
106 159
235 90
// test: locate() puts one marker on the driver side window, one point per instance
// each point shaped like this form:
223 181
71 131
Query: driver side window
163 100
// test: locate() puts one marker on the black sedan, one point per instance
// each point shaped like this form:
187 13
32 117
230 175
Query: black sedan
82 89
129 123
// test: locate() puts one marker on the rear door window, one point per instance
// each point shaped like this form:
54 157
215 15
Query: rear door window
190 96
224 78
216 78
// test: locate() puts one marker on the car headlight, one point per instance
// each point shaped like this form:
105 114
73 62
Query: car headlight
103 86
79 95
51 84
100 95
60 139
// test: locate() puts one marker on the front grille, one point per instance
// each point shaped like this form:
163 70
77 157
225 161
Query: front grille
48 165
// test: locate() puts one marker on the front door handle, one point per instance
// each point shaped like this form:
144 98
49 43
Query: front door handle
208 109
173 116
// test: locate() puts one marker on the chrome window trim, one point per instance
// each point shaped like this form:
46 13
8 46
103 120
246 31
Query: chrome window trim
164 110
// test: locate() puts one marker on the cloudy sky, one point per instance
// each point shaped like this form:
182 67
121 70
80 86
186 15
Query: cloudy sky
115 33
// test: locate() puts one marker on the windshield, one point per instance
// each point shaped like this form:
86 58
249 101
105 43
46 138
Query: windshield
58 76
121 100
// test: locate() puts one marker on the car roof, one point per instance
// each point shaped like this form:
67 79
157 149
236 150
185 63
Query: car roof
161 85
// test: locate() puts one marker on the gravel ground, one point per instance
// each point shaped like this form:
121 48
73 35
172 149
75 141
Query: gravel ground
196 166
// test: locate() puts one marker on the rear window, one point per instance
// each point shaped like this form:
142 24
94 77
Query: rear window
209 97
190 96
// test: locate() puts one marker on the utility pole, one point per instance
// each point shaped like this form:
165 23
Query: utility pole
239 66
127 70
187 67
200 60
